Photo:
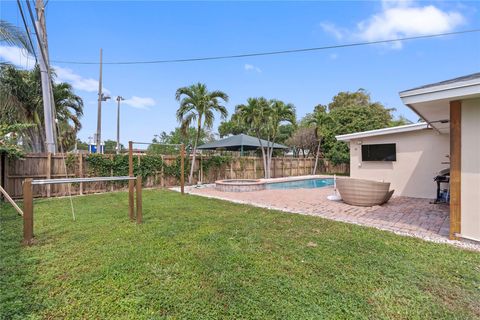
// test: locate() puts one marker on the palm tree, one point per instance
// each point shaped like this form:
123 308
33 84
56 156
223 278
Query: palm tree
14 36
319 120
279 112
253 115
199 105
69 110
21 102
264 117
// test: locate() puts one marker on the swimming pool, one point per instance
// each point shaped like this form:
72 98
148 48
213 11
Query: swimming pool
298 184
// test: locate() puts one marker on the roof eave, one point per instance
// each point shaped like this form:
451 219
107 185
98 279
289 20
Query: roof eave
381 132
442 92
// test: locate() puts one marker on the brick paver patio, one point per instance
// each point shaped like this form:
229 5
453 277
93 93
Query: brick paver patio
402 215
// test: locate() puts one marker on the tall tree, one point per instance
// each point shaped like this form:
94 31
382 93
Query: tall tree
69 110
199 105
359 98
21 102
254 114
234 127
264 117
303 140
14 36
279 112
320 122
353 112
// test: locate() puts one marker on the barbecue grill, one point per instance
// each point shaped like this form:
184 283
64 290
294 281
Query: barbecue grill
442 177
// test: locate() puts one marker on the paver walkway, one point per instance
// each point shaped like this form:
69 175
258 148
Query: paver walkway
402 215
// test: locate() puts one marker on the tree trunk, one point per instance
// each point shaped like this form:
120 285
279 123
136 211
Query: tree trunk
190 178
317 155
36 139
270 159
263 157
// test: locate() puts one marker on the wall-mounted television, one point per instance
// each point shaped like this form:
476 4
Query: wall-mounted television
379 152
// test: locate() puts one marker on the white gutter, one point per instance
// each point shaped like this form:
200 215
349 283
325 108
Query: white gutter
384 131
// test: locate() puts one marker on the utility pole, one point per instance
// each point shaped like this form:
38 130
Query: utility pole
101 98
99 111
119 98
47 92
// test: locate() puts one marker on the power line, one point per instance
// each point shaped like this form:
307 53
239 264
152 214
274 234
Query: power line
27 30
40 42
269 53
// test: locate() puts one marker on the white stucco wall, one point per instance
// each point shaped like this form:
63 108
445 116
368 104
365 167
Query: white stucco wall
419 159
470 178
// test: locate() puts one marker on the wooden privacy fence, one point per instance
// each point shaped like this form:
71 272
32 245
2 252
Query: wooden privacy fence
47 166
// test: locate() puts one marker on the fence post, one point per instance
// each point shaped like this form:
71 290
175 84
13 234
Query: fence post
201 168
162 172
255 168
80 171
27 212
182 168
49 173
130 182
6 174
139 199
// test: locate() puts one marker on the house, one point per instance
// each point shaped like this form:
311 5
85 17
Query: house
411 156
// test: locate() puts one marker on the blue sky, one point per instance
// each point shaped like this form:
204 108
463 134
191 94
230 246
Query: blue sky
167 30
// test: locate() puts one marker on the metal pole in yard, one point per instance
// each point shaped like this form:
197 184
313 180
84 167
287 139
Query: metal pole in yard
139 199
130 182
182 168
119 98
27 212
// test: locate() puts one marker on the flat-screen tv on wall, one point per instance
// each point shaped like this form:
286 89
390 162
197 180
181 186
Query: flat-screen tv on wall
379 152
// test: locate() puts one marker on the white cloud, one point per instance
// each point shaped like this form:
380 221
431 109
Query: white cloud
17 56
400 19
22 59
140 102
77 81
333 56
251 67
333 30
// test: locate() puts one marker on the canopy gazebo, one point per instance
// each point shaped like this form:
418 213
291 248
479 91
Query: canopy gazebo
240 142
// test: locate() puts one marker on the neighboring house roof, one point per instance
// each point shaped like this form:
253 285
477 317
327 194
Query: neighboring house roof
239 142
384 131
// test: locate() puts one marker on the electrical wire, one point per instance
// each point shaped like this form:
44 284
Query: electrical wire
27 29
44 56
269 53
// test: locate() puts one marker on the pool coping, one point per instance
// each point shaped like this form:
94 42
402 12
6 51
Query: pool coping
299 178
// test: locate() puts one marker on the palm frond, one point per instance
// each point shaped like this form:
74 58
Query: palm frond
14 36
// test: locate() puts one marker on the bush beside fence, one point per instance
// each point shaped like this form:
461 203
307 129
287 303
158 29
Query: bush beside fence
156 170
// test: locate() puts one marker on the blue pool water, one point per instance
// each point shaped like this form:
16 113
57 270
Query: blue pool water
308 184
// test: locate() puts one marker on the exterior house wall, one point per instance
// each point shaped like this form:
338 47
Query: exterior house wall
419 159
470 168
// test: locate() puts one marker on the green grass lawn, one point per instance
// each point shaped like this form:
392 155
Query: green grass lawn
199 258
